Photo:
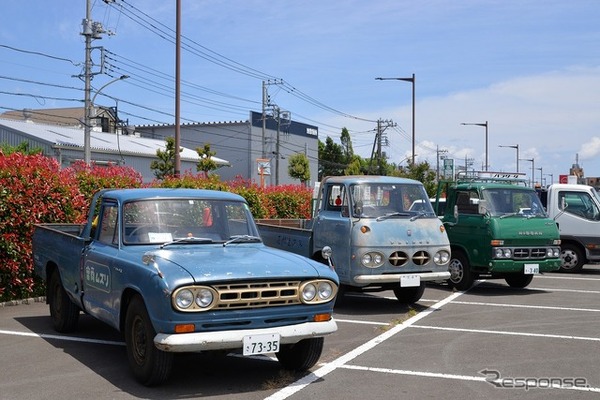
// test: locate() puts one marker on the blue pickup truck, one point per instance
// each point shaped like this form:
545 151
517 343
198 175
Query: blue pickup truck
184 270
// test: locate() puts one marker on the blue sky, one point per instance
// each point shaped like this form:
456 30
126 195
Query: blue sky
530 69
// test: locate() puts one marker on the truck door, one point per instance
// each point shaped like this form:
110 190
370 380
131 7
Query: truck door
97 269
471 230
332 227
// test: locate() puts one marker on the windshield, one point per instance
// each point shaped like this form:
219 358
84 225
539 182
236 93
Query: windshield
381 200
198 221
504 202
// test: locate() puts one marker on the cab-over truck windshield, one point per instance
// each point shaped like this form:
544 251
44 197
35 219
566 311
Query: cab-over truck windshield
380 200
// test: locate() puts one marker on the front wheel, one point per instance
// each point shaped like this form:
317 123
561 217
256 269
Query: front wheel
302 355
518 280
461 276
409 295
64 313
572 258
149 365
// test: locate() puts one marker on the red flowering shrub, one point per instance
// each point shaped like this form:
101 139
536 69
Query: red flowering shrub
92 178
33 190
289 201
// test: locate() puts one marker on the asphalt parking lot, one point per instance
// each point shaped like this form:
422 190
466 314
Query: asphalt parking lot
491 342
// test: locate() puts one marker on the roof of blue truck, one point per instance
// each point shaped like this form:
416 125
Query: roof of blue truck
370 179
152 193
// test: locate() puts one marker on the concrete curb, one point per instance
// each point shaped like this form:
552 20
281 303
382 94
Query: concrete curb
41 299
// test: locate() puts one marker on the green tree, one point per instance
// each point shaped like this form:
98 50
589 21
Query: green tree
299 167
331 159
22 148
347 149
421 172
206 163
165 165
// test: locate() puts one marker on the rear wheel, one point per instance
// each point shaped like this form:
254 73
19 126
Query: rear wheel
572 258
461 276
302 355
149 365
409 295
518 280
64 313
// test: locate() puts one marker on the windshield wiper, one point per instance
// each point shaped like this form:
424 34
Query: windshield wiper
188 240
242 239
394 214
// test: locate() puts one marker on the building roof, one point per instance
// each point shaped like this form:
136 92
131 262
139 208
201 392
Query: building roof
68 137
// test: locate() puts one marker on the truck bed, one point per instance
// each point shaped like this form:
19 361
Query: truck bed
294 235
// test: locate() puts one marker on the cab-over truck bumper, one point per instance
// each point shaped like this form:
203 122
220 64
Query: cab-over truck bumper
394 278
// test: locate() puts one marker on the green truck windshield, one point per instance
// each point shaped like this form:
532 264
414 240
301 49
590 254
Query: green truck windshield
506 202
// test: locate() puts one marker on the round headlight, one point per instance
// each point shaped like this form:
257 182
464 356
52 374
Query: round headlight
309 292
377 258
507 253
441 257
325 290
204 298
184 298
366 259
499 252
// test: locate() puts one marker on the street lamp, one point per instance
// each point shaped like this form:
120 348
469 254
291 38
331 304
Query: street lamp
412 80
541 174
515 146
532 161
551 178
87 151
486 139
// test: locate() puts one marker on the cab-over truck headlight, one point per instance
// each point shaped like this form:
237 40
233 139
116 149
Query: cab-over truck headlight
441 257
372 259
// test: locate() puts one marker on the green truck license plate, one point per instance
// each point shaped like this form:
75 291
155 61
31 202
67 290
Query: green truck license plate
531 269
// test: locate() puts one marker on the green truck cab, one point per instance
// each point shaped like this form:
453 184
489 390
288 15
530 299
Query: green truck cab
497 228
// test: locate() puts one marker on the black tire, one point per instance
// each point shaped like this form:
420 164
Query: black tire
518 280
64 313
461 277
149 365
300 356
409 295
571 257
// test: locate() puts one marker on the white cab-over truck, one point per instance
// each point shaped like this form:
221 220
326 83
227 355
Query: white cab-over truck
576 210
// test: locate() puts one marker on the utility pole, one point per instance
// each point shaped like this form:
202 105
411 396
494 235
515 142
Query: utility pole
177 90
438 151
90 30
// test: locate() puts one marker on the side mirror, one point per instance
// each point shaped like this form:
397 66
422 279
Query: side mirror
482 207
456 212
326 253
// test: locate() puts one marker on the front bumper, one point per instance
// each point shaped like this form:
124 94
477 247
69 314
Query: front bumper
395 278
233 339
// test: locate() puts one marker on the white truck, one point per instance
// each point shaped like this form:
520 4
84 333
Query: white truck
576 210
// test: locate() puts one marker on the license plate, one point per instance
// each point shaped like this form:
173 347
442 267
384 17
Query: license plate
410 280
531 269
261 344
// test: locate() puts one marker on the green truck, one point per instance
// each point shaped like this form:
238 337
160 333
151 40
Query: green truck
497 228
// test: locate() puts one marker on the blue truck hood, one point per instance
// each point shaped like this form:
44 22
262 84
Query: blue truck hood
256 261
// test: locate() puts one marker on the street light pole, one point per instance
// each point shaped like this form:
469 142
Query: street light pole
485 124
532 161
87 129
413 81
516 146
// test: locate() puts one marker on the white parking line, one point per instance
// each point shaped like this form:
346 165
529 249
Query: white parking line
477 303
463 378
61 337
332 366
510 333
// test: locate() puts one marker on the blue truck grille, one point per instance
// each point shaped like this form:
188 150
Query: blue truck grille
399 258
257 294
